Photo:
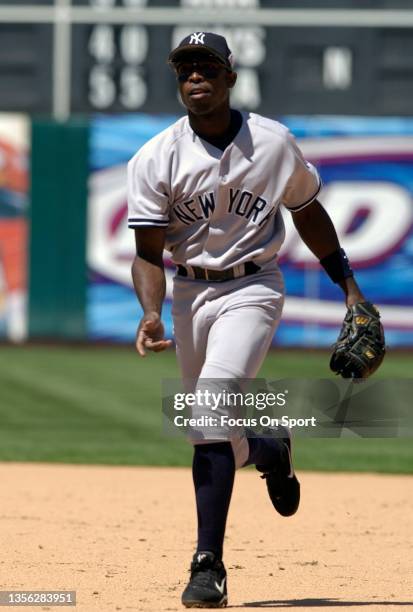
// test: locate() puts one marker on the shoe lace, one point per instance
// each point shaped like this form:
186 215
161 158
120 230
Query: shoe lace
203 576
202 572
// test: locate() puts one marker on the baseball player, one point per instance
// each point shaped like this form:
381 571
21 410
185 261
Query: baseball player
209 189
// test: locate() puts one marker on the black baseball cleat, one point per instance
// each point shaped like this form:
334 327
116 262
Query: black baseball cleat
282 484
207 587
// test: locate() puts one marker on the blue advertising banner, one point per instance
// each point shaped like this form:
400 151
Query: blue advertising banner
367 169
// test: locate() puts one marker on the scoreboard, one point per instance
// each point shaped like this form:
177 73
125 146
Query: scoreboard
63 57
26 67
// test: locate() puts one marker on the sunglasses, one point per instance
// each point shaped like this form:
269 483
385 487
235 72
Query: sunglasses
209 70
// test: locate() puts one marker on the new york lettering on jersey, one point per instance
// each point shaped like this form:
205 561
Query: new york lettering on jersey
238 202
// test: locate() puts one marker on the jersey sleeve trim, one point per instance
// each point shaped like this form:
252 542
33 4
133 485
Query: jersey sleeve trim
307 202
142 222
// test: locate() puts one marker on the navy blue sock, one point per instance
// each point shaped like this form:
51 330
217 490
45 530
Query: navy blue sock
264 452
213 471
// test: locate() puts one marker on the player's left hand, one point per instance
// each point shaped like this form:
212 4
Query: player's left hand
360 347
150 335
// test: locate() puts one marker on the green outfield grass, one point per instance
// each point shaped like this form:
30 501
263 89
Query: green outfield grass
102 405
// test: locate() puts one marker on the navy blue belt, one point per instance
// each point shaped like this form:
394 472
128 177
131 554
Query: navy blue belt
218 276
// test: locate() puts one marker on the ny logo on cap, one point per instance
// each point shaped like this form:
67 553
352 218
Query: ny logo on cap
197 38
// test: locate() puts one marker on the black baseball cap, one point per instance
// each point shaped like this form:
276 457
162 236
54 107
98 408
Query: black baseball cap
203 42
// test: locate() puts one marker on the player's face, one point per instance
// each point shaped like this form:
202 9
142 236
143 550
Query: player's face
204 84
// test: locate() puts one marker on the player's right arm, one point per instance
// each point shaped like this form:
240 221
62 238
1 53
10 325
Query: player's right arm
149 281
148 216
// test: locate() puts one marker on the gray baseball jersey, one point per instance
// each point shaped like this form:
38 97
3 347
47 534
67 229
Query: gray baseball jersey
220 208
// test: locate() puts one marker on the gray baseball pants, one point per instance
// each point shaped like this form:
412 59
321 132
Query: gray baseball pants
223 330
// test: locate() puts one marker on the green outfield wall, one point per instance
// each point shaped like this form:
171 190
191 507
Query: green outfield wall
58 214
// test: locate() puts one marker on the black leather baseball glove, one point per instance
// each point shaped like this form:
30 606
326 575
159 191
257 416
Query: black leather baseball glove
360 347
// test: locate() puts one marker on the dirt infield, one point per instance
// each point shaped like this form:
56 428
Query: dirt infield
122 537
